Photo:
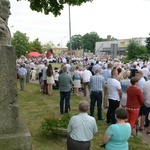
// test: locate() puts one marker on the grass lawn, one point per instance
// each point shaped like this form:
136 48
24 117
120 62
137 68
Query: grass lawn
34 106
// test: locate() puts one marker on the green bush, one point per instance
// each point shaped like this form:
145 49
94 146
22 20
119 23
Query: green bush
54 125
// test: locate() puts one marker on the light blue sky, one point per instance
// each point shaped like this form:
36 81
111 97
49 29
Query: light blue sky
118 18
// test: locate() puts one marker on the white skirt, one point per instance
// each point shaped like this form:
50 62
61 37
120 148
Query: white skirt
77 83
50 80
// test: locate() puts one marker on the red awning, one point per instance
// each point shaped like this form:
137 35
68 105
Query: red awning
34 54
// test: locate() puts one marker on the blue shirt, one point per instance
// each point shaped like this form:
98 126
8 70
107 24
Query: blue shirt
119 135
106 74
95 67
97 82
22 71
44 75
124 84
141 82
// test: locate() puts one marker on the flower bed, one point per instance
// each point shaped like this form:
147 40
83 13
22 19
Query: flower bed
54 126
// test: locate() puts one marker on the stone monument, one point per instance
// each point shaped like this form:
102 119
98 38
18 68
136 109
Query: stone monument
14 134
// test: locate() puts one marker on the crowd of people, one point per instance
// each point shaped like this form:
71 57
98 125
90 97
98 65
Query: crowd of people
122 89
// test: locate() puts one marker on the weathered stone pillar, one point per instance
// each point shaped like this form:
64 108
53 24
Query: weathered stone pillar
8 91
14 135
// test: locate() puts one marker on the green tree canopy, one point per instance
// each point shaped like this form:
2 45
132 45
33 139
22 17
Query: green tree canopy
53 6
36 46
135 51
148 44
21 42
76 42
89 39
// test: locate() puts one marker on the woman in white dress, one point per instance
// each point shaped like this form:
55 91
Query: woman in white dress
50 79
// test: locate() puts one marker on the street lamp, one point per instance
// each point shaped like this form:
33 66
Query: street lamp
70 29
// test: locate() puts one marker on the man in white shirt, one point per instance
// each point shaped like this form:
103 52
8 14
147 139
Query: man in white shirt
86 75
81 128
114 96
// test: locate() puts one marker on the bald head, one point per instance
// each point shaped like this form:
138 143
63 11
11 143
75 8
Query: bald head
83 106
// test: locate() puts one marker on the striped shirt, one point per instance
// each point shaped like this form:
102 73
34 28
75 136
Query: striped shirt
97 82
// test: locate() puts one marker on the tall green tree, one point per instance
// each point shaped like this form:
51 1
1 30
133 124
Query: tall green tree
76 42
21 42
53 6
148 44
89 40
36 45
135 51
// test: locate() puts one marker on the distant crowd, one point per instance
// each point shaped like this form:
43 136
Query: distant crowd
109 83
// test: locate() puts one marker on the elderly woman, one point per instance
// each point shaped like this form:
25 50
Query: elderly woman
117 135
134 101
124 84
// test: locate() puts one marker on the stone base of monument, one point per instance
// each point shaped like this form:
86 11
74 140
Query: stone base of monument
21 140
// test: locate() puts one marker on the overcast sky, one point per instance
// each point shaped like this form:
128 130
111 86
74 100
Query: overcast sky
119 18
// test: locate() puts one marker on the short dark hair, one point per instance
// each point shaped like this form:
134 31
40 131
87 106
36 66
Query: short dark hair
133 80
121 113
64 69
113 71
109 65
119 70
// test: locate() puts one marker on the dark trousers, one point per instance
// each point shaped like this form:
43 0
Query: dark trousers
96 97
28 77
40 75
77 145
113 105
45 91
64 97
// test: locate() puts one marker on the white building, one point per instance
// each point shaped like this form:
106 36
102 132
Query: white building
104 47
